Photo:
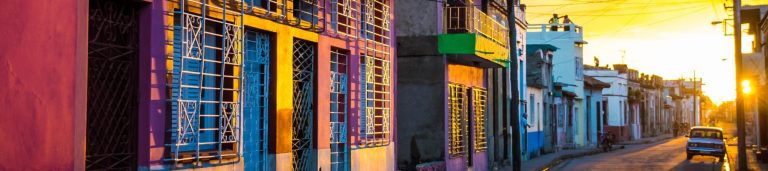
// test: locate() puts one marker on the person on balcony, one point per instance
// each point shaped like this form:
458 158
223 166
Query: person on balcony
553 22
566 23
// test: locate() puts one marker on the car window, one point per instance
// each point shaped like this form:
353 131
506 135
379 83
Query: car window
713 134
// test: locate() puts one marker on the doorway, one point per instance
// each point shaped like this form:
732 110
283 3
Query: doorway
111 133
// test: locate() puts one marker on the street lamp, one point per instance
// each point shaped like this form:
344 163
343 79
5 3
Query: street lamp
745 87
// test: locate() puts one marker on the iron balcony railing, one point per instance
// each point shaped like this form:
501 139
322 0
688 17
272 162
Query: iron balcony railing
473 20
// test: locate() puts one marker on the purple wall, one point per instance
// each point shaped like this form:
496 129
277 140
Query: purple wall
152 60
42 76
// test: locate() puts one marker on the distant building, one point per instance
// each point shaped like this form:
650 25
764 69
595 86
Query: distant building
539 132
593 99
615 117
568 67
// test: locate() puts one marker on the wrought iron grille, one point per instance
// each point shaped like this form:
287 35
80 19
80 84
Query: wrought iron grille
479 101
339 145
375 26
375 74
304 53
256 99
206 73
111 134
457 108
375 101
344 14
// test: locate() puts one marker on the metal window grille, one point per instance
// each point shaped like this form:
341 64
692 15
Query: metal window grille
307 11
111 136
267 7
256 99
375 101
479 101
457 108
204 103
376 22
339 145
304 53
344 14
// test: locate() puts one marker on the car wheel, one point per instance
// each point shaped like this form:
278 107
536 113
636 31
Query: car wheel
688 156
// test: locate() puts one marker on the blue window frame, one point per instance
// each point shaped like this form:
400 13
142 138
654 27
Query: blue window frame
203 95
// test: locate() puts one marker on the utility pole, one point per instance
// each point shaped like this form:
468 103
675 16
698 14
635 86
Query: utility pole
512 68
696 122
740 123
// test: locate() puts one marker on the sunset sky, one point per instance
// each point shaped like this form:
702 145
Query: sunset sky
670 38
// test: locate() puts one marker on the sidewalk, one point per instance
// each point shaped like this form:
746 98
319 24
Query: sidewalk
552 159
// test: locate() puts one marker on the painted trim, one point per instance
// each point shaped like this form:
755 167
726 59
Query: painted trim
80 96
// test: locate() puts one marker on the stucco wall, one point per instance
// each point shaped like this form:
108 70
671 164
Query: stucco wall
42 78
421 99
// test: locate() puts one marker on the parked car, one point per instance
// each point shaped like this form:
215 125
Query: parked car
705 141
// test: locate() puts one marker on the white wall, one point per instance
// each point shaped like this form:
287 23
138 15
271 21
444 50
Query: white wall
616 95
535 117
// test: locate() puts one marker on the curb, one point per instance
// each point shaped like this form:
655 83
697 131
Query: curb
562 158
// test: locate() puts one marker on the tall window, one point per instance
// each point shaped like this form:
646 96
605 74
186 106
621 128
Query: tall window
532 110
375 74
304 54
457 108
256 99
338 119
203 95
375 101
479 100
579 67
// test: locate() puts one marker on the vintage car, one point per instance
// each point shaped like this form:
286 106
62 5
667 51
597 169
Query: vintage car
706 141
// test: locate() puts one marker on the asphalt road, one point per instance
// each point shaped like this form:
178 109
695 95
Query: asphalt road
665 155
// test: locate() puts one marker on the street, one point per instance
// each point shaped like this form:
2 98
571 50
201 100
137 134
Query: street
665 155
662 155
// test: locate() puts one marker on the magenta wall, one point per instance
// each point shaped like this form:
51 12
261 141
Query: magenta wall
38 84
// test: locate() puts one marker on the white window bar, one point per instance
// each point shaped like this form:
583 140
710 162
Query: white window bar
338 119
457 118
375 74
206 83
479 101
344 14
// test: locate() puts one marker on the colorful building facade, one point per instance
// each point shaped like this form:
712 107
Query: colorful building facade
454 111
221 84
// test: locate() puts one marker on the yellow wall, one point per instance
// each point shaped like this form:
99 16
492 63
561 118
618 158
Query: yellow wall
465 75
373 159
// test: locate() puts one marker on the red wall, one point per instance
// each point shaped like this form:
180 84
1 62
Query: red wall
38 69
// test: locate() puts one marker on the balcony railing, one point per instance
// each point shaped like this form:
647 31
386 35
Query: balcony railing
560 28
472 20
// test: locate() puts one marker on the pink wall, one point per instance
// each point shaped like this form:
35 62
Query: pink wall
42 78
